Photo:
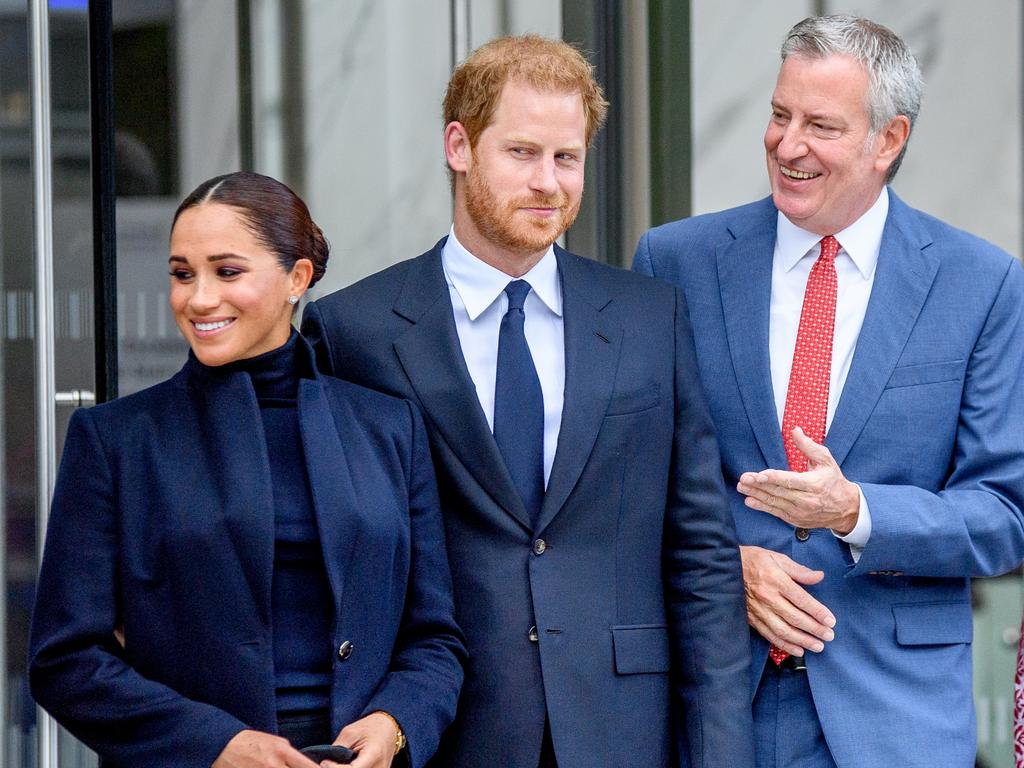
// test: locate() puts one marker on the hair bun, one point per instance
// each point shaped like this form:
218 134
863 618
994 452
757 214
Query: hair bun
319 251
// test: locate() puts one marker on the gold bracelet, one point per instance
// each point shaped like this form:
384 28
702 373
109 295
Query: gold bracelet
400 740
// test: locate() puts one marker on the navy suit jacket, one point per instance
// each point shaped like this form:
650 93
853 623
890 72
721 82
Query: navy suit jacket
930 424
636 597
162 525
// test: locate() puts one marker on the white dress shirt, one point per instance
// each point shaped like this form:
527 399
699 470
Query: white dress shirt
479 303
796 250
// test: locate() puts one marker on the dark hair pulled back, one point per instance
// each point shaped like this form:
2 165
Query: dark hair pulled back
277 217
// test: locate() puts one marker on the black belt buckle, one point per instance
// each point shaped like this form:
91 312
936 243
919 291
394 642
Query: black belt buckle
793 663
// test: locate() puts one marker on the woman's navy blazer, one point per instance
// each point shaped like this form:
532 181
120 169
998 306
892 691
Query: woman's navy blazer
162 526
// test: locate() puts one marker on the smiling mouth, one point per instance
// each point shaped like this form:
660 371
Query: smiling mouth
793 173
205 327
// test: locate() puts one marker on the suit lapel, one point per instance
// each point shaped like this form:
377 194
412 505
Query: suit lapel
431 357
903 279
592 346
229 418
745 282
330 480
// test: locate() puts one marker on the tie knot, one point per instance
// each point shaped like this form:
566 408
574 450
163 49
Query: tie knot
517 291
829 247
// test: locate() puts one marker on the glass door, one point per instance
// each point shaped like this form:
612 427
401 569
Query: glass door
47 343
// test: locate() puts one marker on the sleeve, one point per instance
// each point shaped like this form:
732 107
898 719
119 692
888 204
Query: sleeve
642 261
422 686
76 668
974 525
706 601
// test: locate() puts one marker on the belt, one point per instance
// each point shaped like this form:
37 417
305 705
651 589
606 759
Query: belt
792 663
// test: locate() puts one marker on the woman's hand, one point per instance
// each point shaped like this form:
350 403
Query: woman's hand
373 737
255 749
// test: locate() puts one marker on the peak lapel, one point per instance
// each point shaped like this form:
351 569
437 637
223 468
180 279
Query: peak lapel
903 279
745 282
592 346
334 497
431 357
229 417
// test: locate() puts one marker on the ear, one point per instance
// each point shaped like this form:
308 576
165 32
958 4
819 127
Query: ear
891 140
299 277
457 149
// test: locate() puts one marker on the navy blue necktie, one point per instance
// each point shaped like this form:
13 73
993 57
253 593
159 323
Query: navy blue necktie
519 404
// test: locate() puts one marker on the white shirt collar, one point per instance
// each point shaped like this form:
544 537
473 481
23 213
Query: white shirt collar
479 284
860 241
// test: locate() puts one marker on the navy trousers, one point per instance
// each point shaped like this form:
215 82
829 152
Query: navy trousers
787 733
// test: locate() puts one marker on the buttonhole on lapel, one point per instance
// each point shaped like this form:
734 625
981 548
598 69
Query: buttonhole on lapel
555 631
602 337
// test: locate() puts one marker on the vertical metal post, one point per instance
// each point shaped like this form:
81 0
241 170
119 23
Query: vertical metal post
104 240
460 31
42 197
243 27
671 124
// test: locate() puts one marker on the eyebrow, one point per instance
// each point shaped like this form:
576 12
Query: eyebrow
535 143
212 258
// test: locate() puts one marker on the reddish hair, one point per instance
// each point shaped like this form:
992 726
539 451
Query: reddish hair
539 62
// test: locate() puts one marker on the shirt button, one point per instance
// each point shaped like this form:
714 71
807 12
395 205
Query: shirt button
540 547
345 650
802 534
533 634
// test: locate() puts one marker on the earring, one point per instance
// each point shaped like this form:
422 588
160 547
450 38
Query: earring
293 300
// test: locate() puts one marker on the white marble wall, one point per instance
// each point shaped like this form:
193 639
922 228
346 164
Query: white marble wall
376 71
964 161
207 84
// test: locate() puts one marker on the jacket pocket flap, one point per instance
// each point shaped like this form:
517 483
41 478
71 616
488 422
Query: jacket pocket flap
933 623
634 401
926 373
641 648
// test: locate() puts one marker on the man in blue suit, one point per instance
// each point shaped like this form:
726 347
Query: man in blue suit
833 305
595 564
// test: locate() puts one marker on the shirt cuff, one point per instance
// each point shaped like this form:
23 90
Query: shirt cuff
858 537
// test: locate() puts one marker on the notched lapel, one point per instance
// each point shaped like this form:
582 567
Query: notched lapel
431 357
903 280
745 282
593 343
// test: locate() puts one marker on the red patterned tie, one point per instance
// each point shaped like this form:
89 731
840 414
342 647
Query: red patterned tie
1018 705
807 397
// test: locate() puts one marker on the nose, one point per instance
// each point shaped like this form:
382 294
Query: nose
791 143
544 180
205 297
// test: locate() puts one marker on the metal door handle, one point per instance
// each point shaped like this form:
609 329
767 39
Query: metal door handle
75 398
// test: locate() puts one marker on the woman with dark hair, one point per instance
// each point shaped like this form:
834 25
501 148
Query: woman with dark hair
247 559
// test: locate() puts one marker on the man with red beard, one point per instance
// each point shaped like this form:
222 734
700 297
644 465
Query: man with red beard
595 564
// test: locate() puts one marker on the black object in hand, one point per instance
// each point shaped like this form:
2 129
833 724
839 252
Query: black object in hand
333 752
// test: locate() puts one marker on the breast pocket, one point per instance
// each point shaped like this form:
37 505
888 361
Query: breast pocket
634 401
926 373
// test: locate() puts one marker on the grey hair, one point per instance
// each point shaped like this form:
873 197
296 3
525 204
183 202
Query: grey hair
894 76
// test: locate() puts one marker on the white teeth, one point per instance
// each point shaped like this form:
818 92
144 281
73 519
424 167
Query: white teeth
794 174
211 326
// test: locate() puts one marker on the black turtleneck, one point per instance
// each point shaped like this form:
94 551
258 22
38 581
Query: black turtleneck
301 600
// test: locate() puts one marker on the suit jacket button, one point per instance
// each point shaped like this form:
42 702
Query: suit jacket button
533 634
345 650
802 534
540 547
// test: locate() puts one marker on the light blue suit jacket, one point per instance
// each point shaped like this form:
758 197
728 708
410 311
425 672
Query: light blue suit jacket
930 424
